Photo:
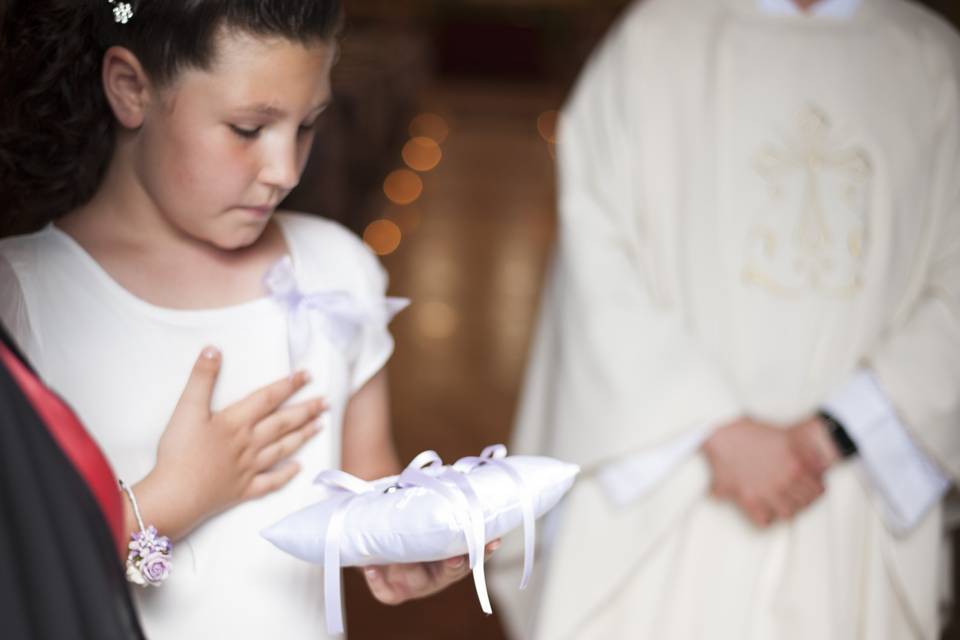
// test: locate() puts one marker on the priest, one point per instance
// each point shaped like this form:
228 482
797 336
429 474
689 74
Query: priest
750 337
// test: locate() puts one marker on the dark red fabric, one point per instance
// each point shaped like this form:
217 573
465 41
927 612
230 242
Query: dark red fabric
69 433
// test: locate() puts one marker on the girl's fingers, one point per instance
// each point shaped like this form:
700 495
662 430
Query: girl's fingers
286 420
411 580
203 378
261 403
285 447
377 583
388 583
396 583
269 481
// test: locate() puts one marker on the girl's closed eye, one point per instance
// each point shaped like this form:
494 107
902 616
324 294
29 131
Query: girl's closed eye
313 123
248 133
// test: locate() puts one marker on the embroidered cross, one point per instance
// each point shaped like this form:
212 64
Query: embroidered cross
812 151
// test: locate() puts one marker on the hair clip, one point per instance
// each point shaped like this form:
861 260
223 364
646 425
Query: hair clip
123 12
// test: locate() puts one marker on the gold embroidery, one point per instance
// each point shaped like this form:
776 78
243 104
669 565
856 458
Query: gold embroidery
811 233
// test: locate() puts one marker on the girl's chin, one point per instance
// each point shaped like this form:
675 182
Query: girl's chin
240 236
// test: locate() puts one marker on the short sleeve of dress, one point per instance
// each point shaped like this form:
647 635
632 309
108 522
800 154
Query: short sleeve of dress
375 342
13 309
330 258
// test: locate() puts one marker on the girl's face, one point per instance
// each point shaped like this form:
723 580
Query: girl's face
220 148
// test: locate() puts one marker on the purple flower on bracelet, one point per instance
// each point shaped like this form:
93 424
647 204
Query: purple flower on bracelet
155 568
148 562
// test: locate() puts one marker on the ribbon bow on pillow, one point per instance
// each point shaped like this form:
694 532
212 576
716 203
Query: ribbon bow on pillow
344 314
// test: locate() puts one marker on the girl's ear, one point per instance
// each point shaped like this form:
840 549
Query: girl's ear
126 86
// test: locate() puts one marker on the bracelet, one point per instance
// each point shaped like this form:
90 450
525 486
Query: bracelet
148 563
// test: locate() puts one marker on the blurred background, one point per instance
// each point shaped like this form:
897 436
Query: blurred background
439 151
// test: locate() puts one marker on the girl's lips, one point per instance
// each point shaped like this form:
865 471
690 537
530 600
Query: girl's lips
261 211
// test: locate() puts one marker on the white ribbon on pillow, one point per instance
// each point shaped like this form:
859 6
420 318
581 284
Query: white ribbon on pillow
427 471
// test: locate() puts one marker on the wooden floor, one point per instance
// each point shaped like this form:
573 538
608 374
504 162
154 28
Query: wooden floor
472 257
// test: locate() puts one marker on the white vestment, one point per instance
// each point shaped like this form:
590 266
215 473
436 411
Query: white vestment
755 209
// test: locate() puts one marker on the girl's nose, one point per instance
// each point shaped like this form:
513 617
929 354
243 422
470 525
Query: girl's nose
281 169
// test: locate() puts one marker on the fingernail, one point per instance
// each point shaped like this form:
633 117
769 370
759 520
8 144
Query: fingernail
456 563
371 573
493 546
211 353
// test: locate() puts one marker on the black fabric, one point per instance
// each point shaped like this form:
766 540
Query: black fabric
60 575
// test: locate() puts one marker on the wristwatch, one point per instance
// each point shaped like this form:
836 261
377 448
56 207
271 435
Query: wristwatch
845 444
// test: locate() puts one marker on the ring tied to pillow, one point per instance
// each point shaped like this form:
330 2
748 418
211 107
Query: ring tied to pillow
452 484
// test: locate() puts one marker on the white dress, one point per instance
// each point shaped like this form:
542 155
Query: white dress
122 364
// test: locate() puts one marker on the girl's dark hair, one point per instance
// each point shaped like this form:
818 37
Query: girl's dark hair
56 128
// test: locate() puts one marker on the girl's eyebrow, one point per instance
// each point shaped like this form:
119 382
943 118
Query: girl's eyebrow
266 110
275 113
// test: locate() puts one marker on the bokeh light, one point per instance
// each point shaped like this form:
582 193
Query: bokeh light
422 153
430 125
403 186
383 236
437 320
547 125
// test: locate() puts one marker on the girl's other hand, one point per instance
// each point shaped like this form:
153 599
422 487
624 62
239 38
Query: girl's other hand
208 462
395 584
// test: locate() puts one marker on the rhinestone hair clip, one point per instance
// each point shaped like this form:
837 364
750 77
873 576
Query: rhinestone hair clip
122 11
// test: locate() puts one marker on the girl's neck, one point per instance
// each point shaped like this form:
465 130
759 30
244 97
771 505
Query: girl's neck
122 215
136 245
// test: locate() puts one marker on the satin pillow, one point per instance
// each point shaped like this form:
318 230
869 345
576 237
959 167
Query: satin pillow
429 512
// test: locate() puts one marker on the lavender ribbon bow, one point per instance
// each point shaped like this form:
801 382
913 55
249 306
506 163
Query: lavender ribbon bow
343 313
427 471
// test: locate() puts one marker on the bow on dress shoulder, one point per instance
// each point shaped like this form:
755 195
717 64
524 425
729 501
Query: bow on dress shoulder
344 314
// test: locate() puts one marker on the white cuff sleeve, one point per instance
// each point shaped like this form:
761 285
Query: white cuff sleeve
906 479
632 477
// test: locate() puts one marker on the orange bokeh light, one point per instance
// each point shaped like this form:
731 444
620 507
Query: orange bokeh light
430 125
403 186
383 236
547 125
422 153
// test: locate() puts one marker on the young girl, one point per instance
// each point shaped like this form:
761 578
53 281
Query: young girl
159 136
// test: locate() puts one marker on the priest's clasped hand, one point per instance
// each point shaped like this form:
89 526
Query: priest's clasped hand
771 473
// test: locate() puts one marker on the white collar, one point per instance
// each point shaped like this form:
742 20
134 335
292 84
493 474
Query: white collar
838 9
